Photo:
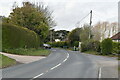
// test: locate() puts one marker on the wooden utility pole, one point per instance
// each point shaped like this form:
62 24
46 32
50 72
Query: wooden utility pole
90 17
51 35
90 24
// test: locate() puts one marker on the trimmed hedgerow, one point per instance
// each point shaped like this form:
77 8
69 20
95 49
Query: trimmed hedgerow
116 47
18 37
106 46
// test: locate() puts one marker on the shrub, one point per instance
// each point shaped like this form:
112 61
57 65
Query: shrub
106 46
18 37
116 47
90 45
61 44
76 43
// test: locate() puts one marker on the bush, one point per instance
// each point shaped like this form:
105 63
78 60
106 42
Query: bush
18 37
75 43
61 44
116 47
106 46
90 45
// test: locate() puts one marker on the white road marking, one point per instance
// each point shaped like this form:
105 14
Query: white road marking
52 67
38 75
55 66
99 73
65 60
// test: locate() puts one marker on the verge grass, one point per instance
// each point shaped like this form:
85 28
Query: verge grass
97 53
6 61
29 52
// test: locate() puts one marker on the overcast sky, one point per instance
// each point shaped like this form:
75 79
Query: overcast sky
67 13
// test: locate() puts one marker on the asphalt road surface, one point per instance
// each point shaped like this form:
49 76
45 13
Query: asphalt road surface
65 64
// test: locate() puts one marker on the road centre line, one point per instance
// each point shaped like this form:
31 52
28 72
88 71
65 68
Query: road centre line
38 75
100 72
52 67
55 66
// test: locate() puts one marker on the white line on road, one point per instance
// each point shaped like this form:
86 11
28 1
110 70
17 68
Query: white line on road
53 67
65 60
38 75
99 75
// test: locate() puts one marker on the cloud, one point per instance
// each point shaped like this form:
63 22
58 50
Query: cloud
68 12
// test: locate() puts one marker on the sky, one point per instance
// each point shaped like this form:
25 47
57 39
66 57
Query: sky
67 13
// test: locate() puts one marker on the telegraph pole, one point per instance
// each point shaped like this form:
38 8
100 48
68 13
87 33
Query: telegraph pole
90 24
90 17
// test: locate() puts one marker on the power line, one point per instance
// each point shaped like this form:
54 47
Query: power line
82 19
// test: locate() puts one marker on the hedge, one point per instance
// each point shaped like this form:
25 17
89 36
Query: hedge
61 44
106 46
90 45
116 47
18 37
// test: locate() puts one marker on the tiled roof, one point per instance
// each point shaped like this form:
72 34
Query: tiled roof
116 36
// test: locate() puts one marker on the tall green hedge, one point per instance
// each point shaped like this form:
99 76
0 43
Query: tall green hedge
116 47
18 37
106 46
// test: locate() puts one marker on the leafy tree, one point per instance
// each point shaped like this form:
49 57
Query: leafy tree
61 34
74 35
103 30
34 17
50 36
85 33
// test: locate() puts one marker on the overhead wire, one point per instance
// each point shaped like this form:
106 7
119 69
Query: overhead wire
78 23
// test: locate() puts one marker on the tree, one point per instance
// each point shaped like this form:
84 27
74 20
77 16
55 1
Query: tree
74 35
33 17
85 33
96 31
61 34
50 37
104 30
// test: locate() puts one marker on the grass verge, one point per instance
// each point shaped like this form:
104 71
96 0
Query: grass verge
119 68
97 53
6 61
29 52
92 52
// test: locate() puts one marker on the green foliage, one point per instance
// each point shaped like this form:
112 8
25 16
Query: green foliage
90 45
61 34
59 44
106 46
85 32
18 37
64 44
34 17
6 61
74 35
116 47
75 43
92 52
29 52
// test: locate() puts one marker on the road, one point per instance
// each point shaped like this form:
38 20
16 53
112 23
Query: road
65 64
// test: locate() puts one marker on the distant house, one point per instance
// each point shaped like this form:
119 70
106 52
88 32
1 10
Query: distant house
57 40
116 37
